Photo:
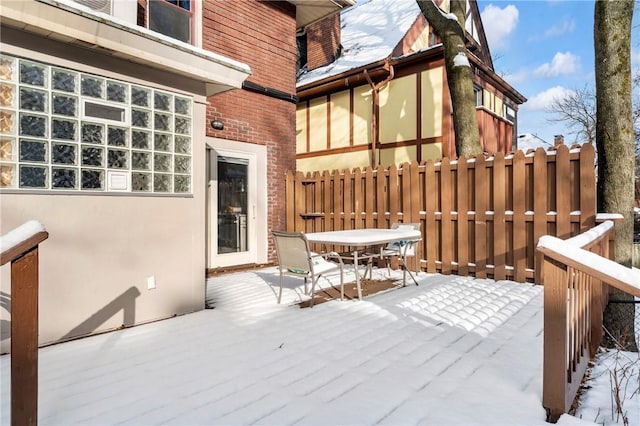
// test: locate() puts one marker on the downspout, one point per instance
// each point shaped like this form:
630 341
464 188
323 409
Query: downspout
375 110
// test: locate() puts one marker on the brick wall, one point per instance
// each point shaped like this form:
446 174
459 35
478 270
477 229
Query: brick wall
323 41
262 35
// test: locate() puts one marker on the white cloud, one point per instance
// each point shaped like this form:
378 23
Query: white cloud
568 25
542 100
498 24
562 63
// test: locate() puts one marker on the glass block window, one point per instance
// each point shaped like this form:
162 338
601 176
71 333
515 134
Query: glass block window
66 130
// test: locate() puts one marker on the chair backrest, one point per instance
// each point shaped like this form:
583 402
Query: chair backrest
293 252
410 250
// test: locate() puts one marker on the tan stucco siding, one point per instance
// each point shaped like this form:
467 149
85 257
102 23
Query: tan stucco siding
398 155
340 113
347 160
432 151
301 127
362 114
318 124
398 108
422 41
432 82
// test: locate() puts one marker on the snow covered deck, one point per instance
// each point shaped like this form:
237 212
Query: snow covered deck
452 351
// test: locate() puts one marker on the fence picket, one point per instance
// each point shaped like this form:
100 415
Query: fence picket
358 198
540 199
462 223
369 198
482 196
499 222
446 234
430 205
347 193
519 224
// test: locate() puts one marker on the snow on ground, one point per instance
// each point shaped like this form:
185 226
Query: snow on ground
452 351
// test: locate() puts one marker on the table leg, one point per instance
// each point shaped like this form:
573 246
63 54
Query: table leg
355 263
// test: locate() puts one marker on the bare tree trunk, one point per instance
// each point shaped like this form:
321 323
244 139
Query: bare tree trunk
450 28
615 142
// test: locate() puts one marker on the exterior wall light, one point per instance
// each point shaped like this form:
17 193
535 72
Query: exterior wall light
217 125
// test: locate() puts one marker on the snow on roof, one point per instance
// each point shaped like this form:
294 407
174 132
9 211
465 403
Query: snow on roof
370 31
530 141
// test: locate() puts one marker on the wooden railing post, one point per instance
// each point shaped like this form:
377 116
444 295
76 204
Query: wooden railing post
555 339
24 339
20 247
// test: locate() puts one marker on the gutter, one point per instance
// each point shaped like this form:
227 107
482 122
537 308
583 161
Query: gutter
268 91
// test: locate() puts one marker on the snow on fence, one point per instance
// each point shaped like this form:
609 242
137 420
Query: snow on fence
480 216
575 274
20 247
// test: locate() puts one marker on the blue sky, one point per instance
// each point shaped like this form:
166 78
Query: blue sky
543 49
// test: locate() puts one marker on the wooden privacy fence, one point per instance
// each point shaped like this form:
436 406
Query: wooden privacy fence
480 216
576 273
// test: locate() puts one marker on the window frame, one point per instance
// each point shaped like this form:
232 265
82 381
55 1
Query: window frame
75 155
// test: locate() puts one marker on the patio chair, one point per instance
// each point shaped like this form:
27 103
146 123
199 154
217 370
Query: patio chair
401 249
295 258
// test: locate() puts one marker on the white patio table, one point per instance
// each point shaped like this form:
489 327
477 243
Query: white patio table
360 238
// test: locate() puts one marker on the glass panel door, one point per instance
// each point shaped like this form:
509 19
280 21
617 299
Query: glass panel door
233 204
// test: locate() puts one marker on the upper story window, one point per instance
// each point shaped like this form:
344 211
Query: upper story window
173 18
478 92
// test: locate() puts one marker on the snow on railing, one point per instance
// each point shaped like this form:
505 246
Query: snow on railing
575 274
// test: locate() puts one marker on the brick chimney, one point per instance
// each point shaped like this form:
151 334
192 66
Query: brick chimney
558 140
323 41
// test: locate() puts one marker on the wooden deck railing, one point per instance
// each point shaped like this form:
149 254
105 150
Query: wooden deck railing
576 273
480 216
20 247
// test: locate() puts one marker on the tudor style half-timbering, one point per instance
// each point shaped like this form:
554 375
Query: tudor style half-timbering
106 137
388 47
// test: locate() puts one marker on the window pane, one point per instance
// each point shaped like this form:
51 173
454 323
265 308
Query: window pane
32 125
33 177
183 125
141 160
182 164
7 119
162 102
117 159
33 100
116 92
33 74
182 106
92 179
161 183
63 153
63 178
65 105
169 20
162 142
140 140
140 118
63 129
6 95
162 162
7 175
92 156
117 136
92 133
182 184
141 182
92 87
162 122
35 151
7 149
6 68
64 81
183 145
140 96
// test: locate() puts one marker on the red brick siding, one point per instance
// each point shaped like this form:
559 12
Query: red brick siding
261 34
323 41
